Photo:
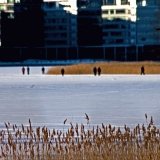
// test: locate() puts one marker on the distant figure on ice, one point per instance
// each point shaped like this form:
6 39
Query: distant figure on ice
95 71
142 70
62 72
28 70
99 71
43 70
23 70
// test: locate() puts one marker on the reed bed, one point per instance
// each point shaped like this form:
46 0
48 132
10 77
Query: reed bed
109 68
103 142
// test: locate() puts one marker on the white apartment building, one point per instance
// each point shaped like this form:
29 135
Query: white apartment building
119 22
60 23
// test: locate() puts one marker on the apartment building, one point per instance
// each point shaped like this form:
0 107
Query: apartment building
119 23
147 21
119 28
60 23
81 29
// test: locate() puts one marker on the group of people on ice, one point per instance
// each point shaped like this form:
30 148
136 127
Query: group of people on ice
95 70
28 70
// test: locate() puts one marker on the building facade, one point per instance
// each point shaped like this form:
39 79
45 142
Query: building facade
119 23
82 29
60 24
146 23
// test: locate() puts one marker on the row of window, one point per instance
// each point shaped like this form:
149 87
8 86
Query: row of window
145 26
145 33
60 35
151 18
5 7
61 28
112 2
116 34
57 28
61 20
119 41
56 13
115 19
145 40
119 11
119 26
146 10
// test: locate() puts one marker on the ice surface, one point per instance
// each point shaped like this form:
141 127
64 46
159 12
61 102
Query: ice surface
49 99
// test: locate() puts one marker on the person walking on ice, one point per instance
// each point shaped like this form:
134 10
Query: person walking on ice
23 70
95 71
99 71
43 70
142 70
28 70
62 72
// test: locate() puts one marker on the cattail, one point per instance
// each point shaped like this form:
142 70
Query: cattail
3 154
65 121
22 128
86 117
145 115
151 121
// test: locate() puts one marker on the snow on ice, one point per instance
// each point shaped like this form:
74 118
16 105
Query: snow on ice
50 99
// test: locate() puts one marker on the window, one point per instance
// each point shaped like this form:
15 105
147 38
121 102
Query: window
105 12
123 26
132 40
124 2
73 35
10 1
133 26
120 11
119 40
73 21
111 11
111 26
111 2
2 8
116 33
73 28
133 33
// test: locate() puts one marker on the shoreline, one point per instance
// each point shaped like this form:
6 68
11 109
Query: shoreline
32 62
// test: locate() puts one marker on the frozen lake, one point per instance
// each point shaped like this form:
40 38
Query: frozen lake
50 99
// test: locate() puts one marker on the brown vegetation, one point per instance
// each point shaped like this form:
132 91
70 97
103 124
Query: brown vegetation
103 142
109 68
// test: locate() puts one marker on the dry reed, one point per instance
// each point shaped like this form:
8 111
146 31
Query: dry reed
103 142
109 68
